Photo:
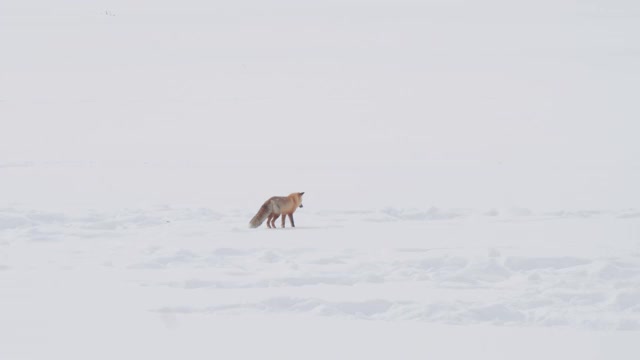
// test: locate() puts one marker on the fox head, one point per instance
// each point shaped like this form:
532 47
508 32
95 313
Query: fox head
297 197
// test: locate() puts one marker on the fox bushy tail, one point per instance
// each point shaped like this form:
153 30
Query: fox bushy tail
260 216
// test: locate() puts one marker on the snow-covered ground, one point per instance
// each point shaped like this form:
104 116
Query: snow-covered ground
166 282
470 172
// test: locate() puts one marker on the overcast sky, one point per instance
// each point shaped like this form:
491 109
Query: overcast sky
510 88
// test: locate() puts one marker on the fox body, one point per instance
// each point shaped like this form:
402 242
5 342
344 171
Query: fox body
276 206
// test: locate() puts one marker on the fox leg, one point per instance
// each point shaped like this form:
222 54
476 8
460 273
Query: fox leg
269 221
290 219
284 217
273 221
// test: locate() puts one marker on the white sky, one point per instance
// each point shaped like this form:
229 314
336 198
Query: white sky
538 97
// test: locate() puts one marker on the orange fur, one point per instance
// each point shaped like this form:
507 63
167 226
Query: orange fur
275 207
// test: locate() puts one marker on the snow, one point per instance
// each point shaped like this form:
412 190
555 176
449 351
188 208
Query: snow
165 281
470 175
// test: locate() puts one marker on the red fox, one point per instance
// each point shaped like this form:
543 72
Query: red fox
276 206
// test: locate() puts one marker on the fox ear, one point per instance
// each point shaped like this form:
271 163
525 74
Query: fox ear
302 193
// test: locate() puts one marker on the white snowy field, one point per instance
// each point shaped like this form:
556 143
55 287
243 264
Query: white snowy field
470 172
165 282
